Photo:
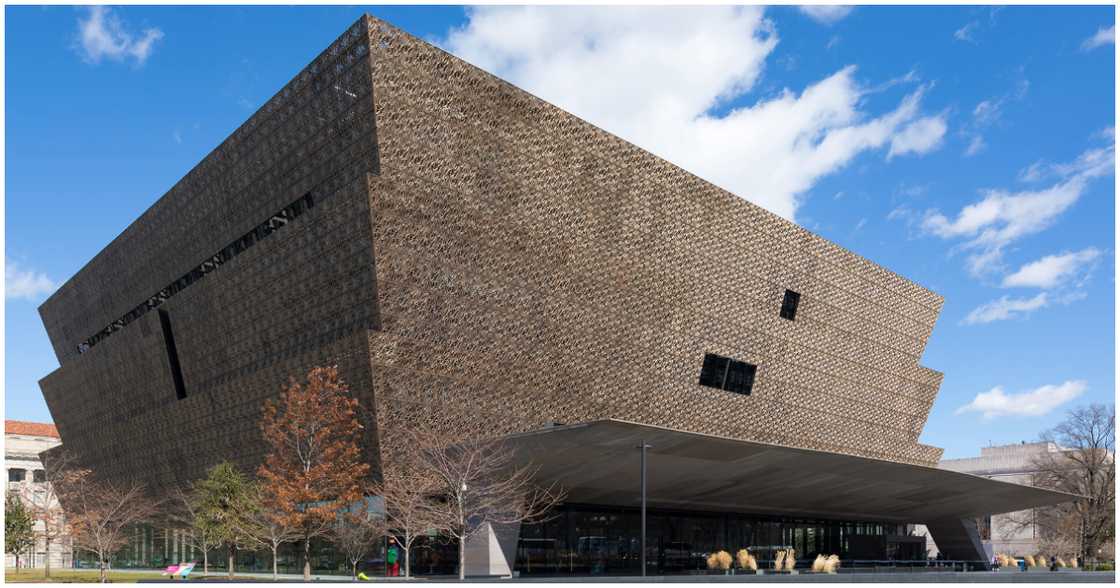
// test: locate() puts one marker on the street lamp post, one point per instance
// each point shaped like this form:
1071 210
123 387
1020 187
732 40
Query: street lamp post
643 448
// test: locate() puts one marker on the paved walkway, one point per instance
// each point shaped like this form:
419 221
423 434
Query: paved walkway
870 577
844 577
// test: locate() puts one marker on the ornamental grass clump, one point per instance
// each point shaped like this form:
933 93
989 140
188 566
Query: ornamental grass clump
818 564
1061 562
1073 562
1031 563
790 560
723 559
779 559
745 560
1042 562
713 562
831 564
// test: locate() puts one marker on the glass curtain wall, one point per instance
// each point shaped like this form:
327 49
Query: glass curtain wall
589 540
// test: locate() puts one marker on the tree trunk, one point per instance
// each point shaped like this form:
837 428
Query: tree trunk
232 557
102 576
406 545
205 560
275 548
47 564
354 570
463 557
307 559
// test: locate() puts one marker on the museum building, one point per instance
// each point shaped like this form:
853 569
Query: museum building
474 257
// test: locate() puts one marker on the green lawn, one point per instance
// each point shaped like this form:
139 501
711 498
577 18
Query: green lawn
68 575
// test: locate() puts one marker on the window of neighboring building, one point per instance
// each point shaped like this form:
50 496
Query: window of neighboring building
16 475
727 374
789 305
39 476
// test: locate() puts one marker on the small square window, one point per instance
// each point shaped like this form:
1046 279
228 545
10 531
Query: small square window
789 305
39 476
714 370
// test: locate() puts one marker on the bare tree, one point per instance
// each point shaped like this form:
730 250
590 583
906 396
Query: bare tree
479 482
265 521
412 493
412 507
1082 463
354 534
102 513
184 514
44 503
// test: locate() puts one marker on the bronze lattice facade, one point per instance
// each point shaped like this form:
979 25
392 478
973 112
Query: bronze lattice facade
461 247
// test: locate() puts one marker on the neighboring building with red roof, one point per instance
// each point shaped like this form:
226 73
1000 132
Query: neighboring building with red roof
29 428
23 442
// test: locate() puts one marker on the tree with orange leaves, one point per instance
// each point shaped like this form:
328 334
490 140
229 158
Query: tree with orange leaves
314 468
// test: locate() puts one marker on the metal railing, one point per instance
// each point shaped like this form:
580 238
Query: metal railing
921 565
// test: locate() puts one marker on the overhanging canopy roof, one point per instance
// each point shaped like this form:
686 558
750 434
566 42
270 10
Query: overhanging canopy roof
598 463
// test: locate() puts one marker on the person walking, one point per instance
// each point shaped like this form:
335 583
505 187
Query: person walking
392 557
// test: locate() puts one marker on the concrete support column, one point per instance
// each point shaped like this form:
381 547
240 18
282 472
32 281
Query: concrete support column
958 539
492 550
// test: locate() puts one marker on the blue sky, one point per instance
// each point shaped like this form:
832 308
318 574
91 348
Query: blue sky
969 149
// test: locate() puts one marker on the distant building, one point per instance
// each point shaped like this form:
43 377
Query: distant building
1007 463
23 442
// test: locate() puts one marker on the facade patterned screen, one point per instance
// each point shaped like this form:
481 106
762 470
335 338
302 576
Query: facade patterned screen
227 253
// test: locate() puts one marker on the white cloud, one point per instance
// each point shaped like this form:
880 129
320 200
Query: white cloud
1033 173
1102 37
1006 308
103 36
976 145
825 13
1038 402
921 136
1002 217
988 111
26 284
1052 270
654 76
177 136
965 33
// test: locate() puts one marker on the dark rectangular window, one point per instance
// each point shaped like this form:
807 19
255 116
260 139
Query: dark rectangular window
740 377
714 371
39 476
727 374
789 305
16 475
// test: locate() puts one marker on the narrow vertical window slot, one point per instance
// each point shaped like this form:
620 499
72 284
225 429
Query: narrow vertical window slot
172 355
